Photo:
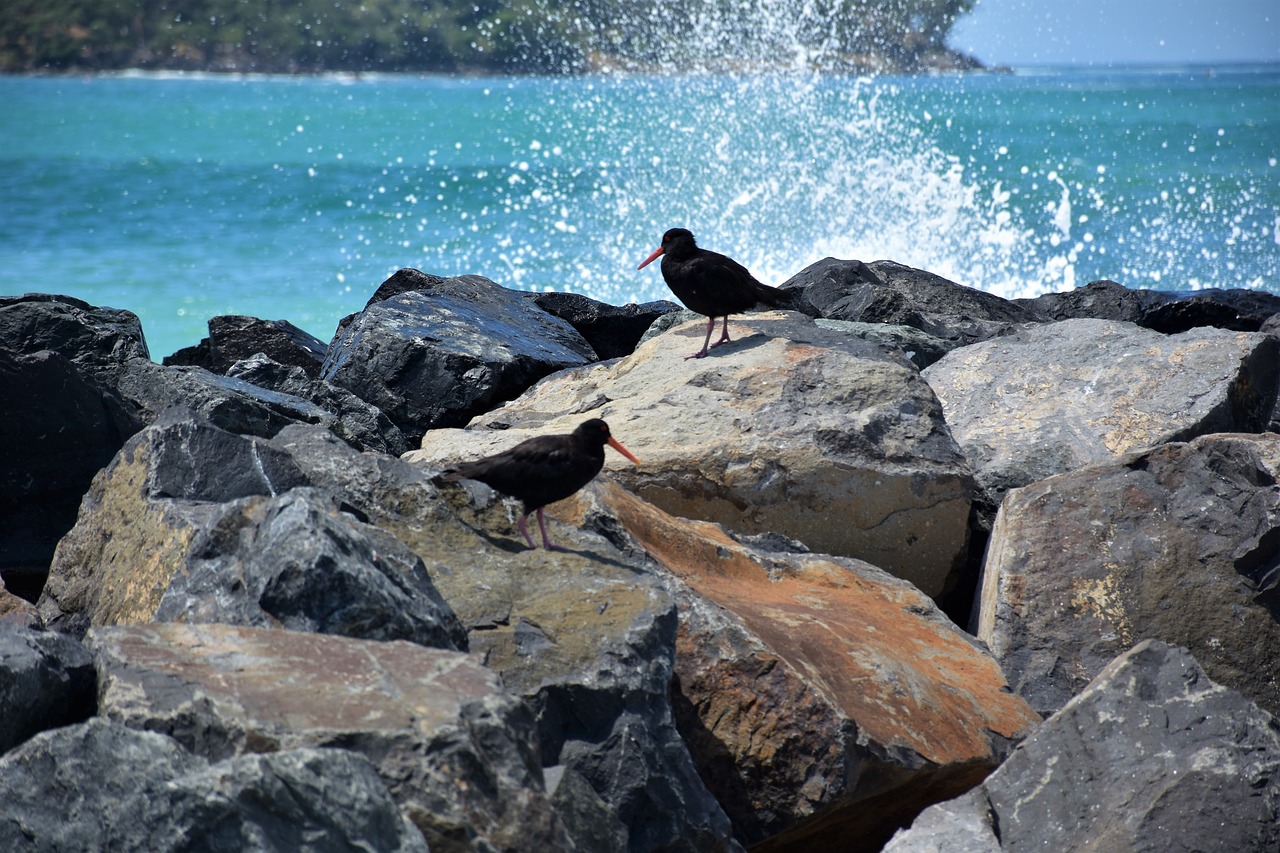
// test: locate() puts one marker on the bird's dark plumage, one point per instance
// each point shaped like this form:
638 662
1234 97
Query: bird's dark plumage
544 469
710 283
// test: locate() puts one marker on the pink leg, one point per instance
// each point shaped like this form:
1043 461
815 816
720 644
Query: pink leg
525 530
546 542
711 325
724 339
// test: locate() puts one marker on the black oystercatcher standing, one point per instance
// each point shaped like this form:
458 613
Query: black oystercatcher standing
544 469
710 283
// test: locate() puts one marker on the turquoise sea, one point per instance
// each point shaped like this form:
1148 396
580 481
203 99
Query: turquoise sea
183 197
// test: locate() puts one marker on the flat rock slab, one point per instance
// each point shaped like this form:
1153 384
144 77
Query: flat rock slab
1178 543
1057 397
1172 761
791 428
823 698
456 751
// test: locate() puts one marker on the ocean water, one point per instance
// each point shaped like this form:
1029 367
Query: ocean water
184 197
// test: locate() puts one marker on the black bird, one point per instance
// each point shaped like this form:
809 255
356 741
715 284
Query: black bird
710 283
544 469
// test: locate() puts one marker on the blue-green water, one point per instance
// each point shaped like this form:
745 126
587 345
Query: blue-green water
180 198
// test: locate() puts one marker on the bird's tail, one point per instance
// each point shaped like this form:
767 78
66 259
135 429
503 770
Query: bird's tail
774 297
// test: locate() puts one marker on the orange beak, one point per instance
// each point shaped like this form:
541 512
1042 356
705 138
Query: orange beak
657 253
613 442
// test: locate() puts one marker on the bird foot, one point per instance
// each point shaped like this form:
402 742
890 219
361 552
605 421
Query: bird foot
699 354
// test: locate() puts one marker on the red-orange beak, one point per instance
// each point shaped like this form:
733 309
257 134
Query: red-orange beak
657 253
613 442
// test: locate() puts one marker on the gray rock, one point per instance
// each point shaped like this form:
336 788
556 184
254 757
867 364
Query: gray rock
356 422
1097 300
613 331
101 786
456 750
1178 543
438 357
60 427
98 340
889 292
198 513
46 680
1173 762
233 338
792 428
1057 397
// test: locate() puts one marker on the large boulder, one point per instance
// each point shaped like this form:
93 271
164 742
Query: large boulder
456 751
612 330
823 699
896 294
1239 309
191 523
1173 762
1177 543
1057 397
438 357
99 340
1097 300
793 428
233 338
46 680
60 427
102 786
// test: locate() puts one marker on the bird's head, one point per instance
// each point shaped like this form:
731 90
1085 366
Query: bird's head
681 237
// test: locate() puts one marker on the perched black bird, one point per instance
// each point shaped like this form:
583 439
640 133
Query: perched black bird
710 283
544 469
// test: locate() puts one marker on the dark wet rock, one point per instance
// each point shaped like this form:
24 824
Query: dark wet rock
356 422
1238 309
102 786
60 427
1097 300
888 292
236 337
438 357
404 281
98 340
46 681
456 750
1172 760
613 331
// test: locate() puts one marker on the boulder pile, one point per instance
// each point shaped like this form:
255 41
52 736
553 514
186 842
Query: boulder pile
896 570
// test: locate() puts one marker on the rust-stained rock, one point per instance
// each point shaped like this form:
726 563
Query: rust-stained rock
455 749
1180 543
824 699
793 428
1057 397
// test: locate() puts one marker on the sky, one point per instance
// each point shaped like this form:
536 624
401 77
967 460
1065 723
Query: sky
1119 32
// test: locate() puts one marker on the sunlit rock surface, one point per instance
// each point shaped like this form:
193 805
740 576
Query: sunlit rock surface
791 428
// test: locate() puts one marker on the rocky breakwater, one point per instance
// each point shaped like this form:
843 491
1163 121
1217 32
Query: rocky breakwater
263 621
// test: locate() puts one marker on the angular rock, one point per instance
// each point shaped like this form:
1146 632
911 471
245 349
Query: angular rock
1179 543
1097 300
587 638
792 428
1057 397
455 750
1239 309
17 612
102 786
438 357
60 427
1173 762
98 340
187 525
823 699
613 331
233 338
921 347
888 292
356 422
46 681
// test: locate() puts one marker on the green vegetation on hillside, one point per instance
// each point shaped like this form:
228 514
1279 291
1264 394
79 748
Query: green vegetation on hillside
557 36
